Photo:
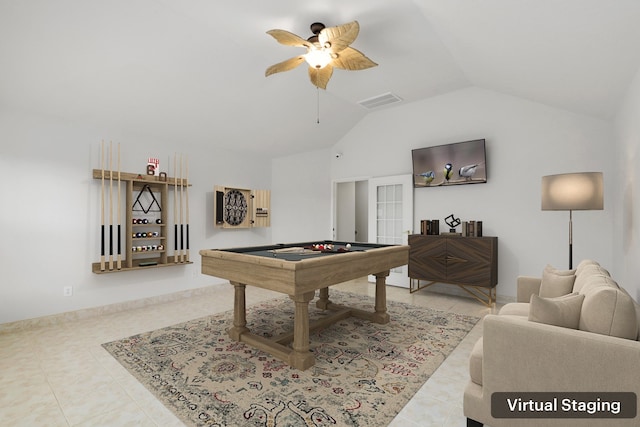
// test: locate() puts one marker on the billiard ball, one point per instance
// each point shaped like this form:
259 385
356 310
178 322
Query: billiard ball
348 245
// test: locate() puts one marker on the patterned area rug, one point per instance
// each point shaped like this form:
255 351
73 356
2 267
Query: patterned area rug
364 373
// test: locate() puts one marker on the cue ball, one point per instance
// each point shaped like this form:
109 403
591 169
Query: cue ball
348 245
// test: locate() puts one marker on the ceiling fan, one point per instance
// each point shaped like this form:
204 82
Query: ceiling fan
327 48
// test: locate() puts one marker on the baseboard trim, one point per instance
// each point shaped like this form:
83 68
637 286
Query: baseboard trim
70 316
446 289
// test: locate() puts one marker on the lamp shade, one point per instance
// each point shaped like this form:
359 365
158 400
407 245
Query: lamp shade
573 191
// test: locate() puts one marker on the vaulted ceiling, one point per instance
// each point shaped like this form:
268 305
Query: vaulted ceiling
193 70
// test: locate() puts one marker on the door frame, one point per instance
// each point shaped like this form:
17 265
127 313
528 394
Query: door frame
400 277
334 201
400 280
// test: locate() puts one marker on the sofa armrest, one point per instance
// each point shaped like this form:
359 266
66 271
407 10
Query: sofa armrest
523 356
527 286
520 355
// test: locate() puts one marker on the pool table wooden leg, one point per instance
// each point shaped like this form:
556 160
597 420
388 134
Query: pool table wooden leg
323 300
301 358
381 315
239 312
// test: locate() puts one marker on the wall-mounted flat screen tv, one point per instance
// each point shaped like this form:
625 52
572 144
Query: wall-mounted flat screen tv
450 164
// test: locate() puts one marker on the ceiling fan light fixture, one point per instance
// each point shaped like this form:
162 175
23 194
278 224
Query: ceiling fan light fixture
317 58
327 48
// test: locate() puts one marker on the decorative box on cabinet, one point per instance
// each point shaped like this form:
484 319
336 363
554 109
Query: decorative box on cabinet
468 262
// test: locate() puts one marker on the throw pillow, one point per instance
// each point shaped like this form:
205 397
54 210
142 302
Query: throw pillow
563 311
555 285
554 270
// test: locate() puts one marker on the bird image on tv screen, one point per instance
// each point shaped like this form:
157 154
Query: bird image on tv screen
450 164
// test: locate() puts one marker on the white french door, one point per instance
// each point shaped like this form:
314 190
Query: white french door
391 217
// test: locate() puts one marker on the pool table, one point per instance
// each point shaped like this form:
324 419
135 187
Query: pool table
298 270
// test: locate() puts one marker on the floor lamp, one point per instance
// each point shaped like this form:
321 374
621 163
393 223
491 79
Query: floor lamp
581 191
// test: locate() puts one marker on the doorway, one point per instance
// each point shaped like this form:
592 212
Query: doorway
383 206
351 222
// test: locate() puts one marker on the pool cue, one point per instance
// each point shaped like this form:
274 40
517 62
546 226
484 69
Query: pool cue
186 193
119 262
175 207
181 209
102 262
110 205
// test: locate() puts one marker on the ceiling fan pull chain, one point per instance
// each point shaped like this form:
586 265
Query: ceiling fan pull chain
318 106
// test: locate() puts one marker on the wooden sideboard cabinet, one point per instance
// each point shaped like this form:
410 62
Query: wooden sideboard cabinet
468 262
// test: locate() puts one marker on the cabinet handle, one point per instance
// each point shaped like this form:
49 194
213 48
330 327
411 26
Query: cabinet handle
441 259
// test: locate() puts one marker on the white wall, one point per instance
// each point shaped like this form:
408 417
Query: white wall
301 200
345 223
627 210
49 219
525 140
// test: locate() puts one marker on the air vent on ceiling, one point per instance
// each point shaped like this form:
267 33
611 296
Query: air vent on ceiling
380 100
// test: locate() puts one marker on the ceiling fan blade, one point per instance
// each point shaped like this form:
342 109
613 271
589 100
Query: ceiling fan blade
352 59
339 37
320 76
289 39
287 65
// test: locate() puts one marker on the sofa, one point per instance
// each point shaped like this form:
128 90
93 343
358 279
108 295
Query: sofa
569 331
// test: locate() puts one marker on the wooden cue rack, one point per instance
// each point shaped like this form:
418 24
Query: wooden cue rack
158 189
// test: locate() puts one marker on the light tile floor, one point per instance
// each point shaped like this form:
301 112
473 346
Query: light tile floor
61 376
